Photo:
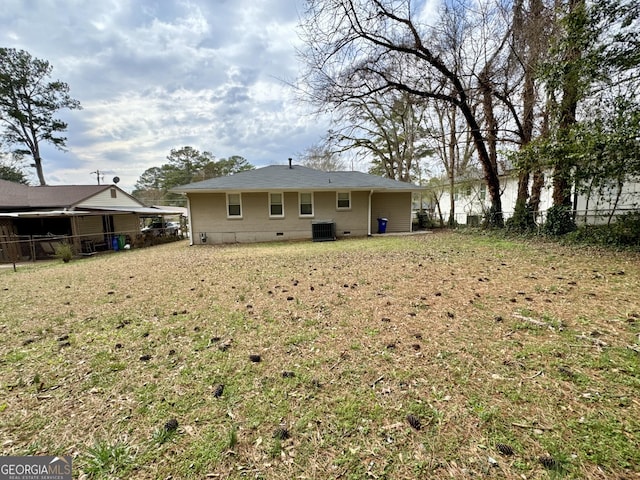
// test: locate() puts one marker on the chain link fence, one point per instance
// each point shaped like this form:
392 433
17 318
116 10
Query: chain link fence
581 217
29 248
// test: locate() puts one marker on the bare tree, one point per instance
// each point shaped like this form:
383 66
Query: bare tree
321 157
387 129
519 92
453 145
359 48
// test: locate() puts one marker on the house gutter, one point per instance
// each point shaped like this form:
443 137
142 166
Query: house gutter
369 216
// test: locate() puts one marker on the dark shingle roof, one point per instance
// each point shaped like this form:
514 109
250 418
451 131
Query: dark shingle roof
282 177
15 195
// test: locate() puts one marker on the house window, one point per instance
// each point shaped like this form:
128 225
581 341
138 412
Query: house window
468 191
114 193
483 192
344 200
234 205
306 204
456 194
276 205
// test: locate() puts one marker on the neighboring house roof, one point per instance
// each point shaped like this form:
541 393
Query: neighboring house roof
295 178
16 195
17 200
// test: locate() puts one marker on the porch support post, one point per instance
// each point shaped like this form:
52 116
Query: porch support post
369 215
190 221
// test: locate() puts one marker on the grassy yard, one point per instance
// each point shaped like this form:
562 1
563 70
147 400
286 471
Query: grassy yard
313 360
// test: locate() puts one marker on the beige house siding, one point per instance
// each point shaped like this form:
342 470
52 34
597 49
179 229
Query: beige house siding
207 212
9 251
209 215
129 224
90 228
348 222
395 207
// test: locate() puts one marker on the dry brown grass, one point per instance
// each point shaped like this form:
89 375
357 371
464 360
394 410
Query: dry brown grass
485 341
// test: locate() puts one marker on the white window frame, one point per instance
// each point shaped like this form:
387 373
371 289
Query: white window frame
305 215
229 215
279 215
338 207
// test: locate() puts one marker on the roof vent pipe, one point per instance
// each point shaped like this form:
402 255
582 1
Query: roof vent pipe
290 165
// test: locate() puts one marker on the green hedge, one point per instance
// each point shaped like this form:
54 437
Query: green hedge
624 232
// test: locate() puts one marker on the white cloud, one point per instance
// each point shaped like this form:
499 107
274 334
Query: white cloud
152 76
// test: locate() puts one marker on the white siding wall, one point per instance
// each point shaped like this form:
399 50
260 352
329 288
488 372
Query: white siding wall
104 199
598 205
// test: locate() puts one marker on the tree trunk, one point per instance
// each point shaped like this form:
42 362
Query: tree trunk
530 39
538 176
615 204
452 201
490 163
523 187
452 169
562 186
569 102
38 163
436 199
496 218
536 189
588 201
489 118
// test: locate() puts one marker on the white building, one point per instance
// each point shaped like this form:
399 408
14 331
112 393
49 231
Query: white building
472 201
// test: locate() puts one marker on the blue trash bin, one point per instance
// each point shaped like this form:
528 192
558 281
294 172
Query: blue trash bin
382 225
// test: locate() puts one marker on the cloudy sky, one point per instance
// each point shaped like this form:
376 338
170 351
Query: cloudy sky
156 75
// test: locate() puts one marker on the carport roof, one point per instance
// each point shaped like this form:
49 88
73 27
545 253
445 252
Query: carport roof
141 210
46 213
295 178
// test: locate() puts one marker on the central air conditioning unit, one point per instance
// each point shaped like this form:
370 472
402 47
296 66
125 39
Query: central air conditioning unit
323 231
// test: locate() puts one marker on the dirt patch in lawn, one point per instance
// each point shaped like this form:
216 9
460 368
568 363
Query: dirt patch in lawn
440 356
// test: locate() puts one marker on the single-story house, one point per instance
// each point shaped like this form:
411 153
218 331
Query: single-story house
285 202
89 216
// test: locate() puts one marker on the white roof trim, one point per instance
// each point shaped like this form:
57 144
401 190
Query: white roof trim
48 213
138 210
93 211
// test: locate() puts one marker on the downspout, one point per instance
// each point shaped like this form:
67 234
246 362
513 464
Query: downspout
369 215
411 210
190 222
